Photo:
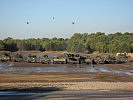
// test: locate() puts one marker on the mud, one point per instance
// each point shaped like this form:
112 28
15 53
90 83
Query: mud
28 68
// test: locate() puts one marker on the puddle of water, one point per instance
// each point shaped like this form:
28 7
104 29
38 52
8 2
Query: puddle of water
7 68
12 93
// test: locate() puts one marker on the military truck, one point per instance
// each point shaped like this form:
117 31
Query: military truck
32 59
17 58
73 58
59 60
5 57
45 59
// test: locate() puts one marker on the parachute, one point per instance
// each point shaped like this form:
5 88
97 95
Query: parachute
27 22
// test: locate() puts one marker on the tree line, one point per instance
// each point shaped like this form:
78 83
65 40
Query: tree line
101 42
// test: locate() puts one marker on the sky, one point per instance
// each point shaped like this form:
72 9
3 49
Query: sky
89 16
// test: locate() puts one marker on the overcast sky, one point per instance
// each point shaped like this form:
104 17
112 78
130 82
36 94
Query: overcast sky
89 16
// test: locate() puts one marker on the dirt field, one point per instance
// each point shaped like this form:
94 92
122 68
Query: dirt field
75 81
86 81
67 81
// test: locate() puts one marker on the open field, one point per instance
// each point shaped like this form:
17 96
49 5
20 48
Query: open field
64 77
72 86
37 81
24 78
67 81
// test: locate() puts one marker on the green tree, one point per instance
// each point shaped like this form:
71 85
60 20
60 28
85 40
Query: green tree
1 45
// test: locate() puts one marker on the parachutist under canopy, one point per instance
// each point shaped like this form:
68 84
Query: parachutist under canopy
27 22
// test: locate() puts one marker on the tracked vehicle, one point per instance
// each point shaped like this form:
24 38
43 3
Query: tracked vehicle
59 60
110 60
121 58
5 57
17 58
99 60
88 60
45 59
32 59
73 58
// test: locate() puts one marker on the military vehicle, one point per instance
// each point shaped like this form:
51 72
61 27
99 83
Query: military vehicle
45 59
17 58
99 60
33 59
109 60
130 59
5 57
82 59
59 60
121 58
73 58
88 60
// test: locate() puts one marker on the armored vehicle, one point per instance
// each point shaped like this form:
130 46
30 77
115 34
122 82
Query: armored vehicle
99 60
130 59
82 59
73 58
5 57
45 59
88 60
18 58
32 59
59 60
121 58
109 60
